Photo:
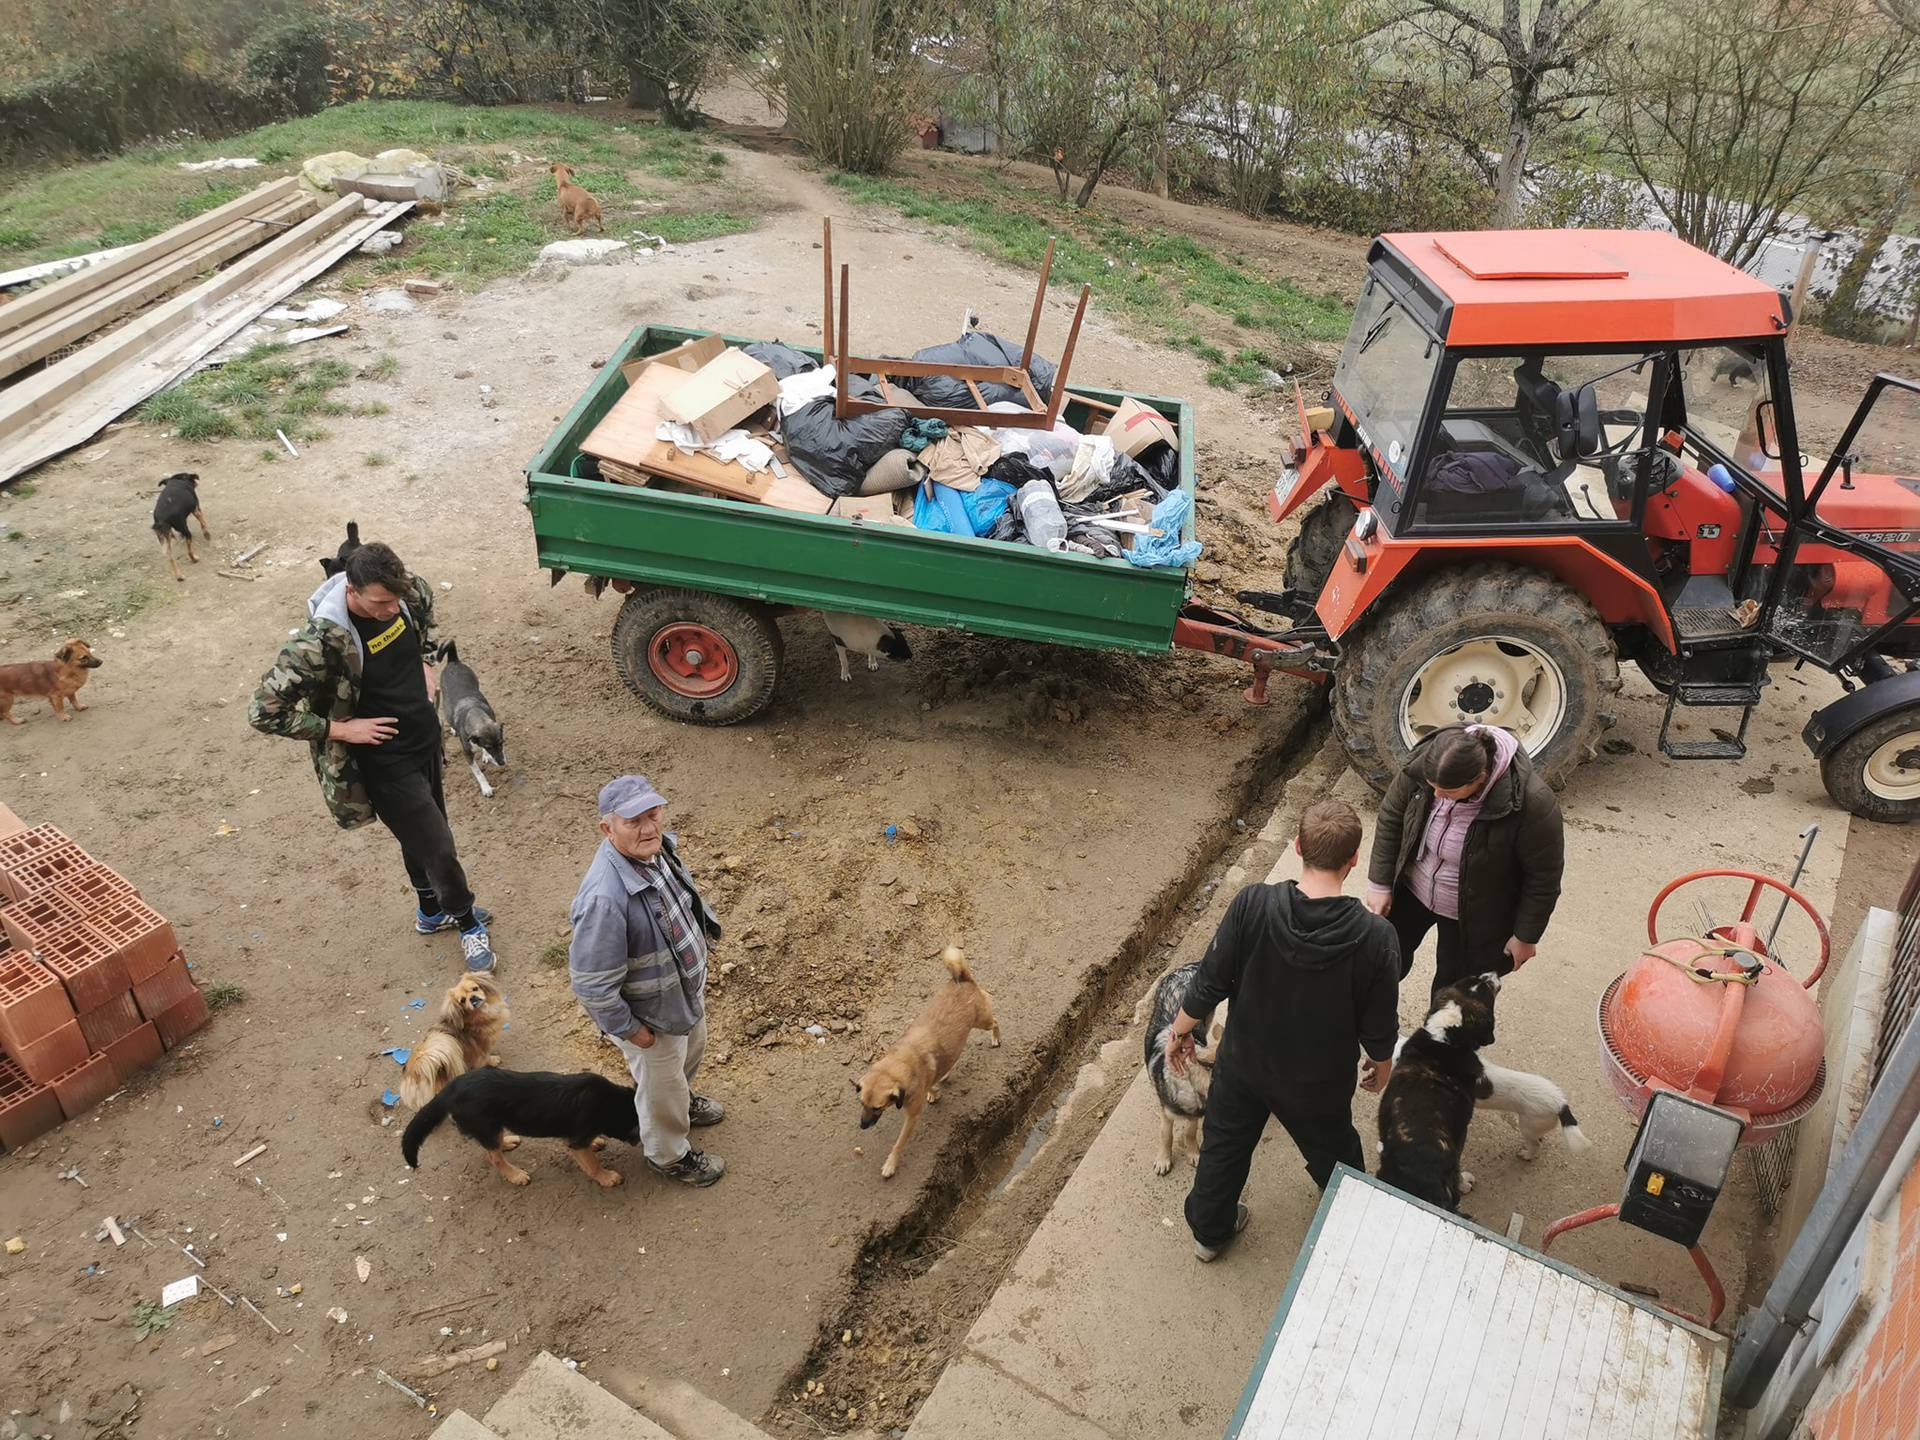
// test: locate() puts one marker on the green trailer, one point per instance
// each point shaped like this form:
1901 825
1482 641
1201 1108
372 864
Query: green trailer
705 577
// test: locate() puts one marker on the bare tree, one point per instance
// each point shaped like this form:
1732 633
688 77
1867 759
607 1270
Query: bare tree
1181 53
1498 79
1742 114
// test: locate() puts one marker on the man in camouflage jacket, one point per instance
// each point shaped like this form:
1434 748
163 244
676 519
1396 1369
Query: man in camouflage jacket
357 684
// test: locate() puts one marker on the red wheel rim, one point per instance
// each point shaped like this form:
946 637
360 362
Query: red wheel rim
692 660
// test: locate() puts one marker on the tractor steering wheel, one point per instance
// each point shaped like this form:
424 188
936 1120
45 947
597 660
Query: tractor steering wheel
1761 884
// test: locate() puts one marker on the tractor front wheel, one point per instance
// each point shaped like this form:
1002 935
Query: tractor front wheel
1316 548
1875 772
693 656
1489 645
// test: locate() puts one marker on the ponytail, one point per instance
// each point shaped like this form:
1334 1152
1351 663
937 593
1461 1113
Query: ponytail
1463 757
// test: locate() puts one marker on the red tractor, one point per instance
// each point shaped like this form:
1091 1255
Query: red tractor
1548 451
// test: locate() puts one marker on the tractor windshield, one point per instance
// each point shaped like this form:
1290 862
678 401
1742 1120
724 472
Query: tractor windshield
1385 373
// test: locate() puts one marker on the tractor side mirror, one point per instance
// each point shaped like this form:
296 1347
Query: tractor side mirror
1767 433
1577 417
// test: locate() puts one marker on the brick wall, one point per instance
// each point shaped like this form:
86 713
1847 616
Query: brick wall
1873 1393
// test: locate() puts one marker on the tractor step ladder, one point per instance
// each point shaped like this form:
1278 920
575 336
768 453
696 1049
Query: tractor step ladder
1697 695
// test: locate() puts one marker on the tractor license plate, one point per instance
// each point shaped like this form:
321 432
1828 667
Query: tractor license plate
1283 487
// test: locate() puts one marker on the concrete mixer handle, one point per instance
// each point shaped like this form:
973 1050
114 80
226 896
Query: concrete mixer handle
1760 885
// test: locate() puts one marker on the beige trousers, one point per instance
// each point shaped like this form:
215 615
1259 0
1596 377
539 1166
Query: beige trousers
663 1076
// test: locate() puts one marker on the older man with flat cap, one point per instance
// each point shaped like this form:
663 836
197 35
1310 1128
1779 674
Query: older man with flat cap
638 963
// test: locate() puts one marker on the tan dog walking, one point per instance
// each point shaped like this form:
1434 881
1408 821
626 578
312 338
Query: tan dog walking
58 679
577 207
907 1076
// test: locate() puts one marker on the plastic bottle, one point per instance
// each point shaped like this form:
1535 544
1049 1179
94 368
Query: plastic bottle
1040 514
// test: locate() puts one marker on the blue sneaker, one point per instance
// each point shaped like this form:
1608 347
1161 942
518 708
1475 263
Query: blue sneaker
477 949
425 924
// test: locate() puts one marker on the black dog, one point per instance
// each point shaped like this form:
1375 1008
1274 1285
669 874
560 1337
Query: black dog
494 1107
1437 1077
470 717
331 565
179 502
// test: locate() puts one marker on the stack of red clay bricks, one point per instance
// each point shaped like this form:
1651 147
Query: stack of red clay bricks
92 982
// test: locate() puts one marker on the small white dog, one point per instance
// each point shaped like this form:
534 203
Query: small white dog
1537 1106
863 635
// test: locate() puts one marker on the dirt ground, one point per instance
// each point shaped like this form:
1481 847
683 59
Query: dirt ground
1051 806
1061 814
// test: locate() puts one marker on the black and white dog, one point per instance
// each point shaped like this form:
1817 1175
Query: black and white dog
863 635
1428 1105
1535 1104
470 717
1183 1098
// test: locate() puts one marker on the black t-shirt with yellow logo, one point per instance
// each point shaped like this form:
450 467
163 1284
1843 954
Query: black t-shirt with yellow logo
392 682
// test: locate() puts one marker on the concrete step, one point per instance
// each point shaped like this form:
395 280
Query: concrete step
682 1411
551 1402
462 1426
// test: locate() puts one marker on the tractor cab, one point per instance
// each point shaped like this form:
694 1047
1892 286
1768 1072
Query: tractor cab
1603 421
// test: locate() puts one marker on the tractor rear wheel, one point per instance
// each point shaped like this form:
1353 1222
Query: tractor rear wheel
1485 644
1875 772
1316 548
694 656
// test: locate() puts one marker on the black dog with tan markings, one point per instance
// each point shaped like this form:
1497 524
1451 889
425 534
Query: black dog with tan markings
493 1107
1437 1077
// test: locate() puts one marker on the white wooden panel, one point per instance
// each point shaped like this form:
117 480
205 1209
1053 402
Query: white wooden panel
1538 1375
1459 1359
1387 1319
1325 1379
1606 1399
1492 1384
1409 1377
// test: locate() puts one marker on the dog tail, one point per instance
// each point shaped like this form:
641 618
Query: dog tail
426 1075
1570 1131
449 653
422 1125
955 959
353 532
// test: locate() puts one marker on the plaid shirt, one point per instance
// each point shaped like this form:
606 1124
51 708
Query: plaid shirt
639 949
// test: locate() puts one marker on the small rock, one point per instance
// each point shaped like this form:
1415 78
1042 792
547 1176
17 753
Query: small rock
16 1246
381 243
493 1362
337 1315
588 251
390 302
1207 573
463 374
911 899
909 828
422 287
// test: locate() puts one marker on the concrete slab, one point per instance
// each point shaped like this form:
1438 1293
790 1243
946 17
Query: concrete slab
462 1426
552 1402
678 1408
1106 1315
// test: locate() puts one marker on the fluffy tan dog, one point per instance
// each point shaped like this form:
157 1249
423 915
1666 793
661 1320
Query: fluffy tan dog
471 1018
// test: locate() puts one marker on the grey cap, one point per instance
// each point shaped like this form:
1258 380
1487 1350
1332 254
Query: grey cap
628 796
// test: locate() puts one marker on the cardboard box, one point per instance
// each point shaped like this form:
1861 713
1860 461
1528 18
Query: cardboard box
1134 427
688 357
722 393
875 509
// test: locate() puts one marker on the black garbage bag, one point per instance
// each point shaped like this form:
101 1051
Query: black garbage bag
976 347
836 454
783 360
1017 470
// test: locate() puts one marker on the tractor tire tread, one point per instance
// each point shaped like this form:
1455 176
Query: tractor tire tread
748 627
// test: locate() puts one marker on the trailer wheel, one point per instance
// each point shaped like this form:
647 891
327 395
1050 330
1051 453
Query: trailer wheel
1316 548
693 656
1485 644
1875 772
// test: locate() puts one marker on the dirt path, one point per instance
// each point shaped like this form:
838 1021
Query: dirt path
1053 807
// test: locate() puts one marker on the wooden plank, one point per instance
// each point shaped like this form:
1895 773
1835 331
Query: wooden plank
1572 1413
1623 1401
979 400
70 288
1325 1376
627 437
1506 1335
1454 1368
40 338
1566 1332
37 394
1312 1304
202 319
1388 1316
997 419
1606 1395
1066 356
1039 299
921 369
1410 1371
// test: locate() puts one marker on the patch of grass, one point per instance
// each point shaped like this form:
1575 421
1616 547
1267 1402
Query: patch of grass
251 397
385 368
25 490
150 1319
680 227
220 996
482 240
553 954
372 408
373 461
1249 366
54 212
1147 275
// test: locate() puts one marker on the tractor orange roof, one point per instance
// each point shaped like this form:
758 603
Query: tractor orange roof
1542 287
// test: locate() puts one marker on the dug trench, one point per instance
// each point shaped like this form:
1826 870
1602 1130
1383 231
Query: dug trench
919 1282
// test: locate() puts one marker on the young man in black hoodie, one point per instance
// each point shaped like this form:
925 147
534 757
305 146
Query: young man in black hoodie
1314 980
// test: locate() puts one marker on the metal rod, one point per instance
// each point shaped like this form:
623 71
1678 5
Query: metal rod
176 1245
1878 1138
263 1317
826 308
1039 299
414 1395
1809 835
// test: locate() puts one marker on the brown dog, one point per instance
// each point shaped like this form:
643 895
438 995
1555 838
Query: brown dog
471 1018
906 1076
577 207
59 679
